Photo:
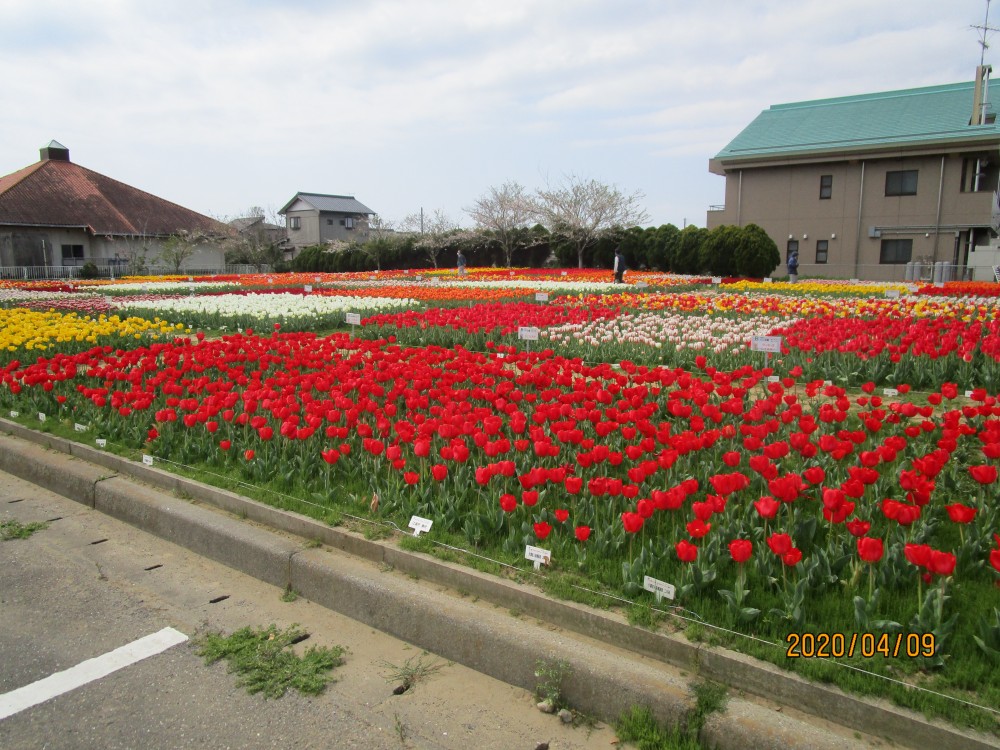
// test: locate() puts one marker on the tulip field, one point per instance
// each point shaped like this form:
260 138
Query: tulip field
838 496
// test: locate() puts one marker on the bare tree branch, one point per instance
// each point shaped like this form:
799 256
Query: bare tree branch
503 211
582 209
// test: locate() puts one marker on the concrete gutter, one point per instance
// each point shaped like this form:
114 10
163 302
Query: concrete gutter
614 665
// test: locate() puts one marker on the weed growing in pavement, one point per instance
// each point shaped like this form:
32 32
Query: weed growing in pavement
638 727
289 595
265 662
18 530
550 674
413 670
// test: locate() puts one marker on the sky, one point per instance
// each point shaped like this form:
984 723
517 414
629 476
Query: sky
408 104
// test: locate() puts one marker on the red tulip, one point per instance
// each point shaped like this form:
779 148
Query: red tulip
248 454
984 474
870 549
767 506
225 444
857 527
561 515
780 544
941 563
582 533
918 554
632 522
698 528
542 529
574 485
740 550
686 551
508 503
792 557
529 497
960 513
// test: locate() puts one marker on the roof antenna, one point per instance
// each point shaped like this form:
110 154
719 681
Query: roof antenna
981 93
984 28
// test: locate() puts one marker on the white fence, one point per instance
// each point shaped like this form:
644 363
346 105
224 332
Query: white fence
111 271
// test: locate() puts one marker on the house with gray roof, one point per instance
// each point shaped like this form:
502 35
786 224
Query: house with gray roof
317 218
863 185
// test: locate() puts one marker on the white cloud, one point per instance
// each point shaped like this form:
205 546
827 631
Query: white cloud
222 105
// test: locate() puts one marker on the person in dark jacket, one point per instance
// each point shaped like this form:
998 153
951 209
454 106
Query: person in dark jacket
793 266
619 266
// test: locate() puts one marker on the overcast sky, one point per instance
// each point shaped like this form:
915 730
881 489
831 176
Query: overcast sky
220 106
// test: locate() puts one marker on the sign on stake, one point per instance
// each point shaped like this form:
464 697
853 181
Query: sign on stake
658 587
537 555
420 525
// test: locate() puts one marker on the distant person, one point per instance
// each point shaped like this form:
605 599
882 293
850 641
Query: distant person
461 263
619 267
793 266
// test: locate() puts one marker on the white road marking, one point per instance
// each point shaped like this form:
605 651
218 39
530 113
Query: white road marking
88 671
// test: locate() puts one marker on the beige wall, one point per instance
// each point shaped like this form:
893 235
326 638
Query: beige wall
784 200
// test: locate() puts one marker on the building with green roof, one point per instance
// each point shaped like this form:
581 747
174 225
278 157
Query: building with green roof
862 185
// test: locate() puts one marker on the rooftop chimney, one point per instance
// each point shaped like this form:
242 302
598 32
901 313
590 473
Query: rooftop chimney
979 94
54 151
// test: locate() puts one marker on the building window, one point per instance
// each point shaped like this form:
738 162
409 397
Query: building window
295 222
903 182
329 222
72 252
349 223
896 251
978 175
822 250
825 186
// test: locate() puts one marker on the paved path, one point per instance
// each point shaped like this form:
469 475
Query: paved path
65 598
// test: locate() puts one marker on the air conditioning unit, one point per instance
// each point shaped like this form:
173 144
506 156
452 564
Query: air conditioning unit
874 233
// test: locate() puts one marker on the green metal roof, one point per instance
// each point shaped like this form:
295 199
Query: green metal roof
864 122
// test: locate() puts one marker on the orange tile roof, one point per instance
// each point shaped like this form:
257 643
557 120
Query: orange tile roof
54 192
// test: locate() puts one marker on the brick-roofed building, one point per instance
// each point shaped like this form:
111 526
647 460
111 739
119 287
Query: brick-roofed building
316 218
862 185
56 215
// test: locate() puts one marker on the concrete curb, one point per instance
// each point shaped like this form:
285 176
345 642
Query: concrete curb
466 637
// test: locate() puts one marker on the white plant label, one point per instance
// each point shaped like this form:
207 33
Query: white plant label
890 392
773 378
307 288
80 427
641 285
541 297
562 273
892 293
767 280
14 414
527 333
420 525
101 443
353 319
968 394
771 344
537 555
658 587
716 279
147 459
41 417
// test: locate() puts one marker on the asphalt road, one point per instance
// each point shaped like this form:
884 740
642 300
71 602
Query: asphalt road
88 584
